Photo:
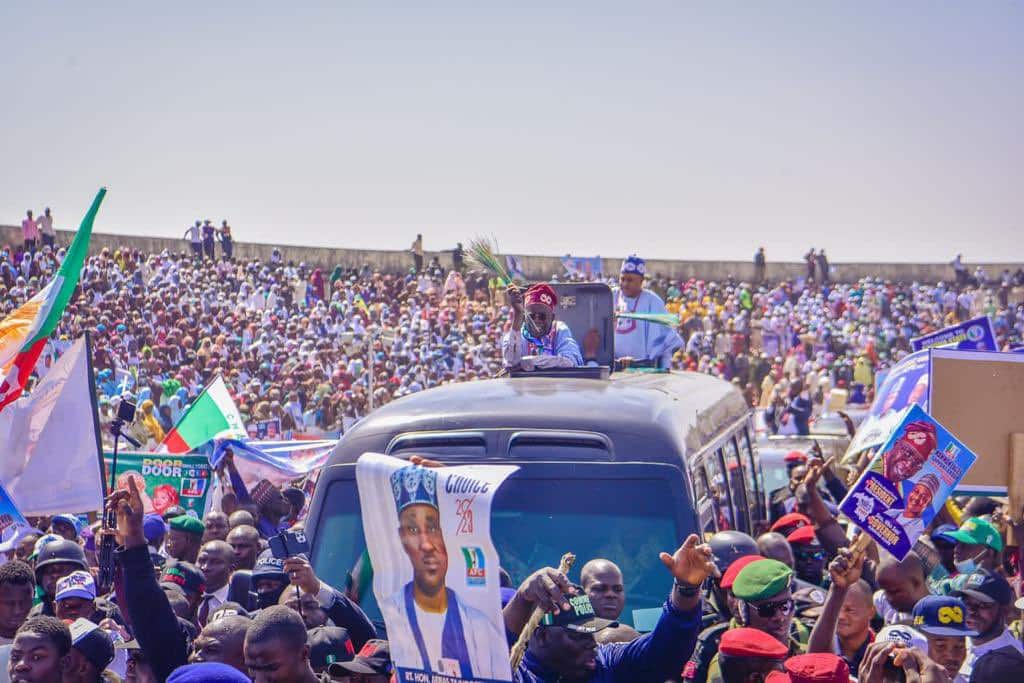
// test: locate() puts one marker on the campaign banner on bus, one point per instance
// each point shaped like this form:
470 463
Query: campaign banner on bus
435 569
907 482
11 519
976 334
164 480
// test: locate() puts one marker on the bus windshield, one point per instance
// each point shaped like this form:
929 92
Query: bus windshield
534 522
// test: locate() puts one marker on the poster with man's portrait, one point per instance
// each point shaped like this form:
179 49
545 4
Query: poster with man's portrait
435 570
907 482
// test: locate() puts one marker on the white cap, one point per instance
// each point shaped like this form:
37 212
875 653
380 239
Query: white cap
76 585
898 633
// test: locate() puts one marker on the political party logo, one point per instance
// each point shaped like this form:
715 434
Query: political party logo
476 569
193 488
975 333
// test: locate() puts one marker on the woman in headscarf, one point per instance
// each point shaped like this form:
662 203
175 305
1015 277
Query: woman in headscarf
317 282
148 419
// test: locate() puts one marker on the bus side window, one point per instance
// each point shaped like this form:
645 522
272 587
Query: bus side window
719 490
755 484
734 475
702 501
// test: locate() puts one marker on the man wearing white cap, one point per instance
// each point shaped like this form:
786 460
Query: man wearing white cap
638 340
76 596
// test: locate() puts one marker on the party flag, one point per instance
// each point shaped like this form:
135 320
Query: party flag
213 415
24 332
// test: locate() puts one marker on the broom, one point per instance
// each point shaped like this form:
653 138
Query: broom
482 254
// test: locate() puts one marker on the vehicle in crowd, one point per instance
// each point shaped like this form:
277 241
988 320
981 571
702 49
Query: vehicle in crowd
617 466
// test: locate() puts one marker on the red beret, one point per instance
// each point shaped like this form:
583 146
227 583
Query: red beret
733 570
803 535
751 642
795 456
820 667
794 520
541 293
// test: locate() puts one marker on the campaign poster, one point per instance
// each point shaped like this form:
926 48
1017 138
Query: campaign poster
974 335
587 267
166 480
435 570
265 430
907 482
11 518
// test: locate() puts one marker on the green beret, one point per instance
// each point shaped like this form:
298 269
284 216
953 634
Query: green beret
761 580
188 524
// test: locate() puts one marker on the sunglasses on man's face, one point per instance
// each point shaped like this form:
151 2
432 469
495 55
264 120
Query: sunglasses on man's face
810 554
768 610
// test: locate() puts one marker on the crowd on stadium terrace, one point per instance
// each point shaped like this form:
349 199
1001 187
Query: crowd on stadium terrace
297 343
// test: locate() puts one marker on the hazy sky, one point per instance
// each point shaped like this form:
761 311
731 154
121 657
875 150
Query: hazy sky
880 130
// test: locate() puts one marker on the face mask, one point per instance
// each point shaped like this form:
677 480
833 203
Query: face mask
969 565
269 598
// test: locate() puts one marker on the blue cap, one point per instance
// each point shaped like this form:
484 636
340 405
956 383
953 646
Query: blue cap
153 527
69 519
414 485
943 531
941 615
634 265
988 587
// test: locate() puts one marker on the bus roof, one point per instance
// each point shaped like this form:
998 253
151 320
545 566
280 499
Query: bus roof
664 414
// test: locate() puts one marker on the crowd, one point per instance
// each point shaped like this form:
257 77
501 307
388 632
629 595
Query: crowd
206 599
318 350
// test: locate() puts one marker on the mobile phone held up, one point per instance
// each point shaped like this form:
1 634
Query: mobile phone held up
289 544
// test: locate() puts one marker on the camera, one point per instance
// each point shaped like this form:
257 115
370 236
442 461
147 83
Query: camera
126 411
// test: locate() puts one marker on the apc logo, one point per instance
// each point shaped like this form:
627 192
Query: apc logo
975 333
476 569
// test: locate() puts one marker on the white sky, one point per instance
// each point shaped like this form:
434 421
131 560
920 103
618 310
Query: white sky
882 131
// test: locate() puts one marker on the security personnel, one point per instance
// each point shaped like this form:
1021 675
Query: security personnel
708 641
748 655
764 601
55 561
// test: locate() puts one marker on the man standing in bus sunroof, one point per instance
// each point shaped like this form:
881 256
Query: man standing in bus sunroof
536 339
638 340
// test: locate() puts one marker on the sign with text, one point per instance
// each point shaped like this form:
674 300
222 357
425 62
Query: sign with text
907 482
165 480
975 335
435 569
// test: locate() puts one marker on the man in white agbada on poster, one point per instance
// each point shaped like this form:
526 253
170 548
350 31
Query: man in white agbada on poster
429 627
639 340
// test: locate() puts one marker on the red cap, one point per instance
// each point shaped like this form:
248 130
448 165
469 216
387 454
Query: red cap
778 677
751 642
794 520
820 667
541 293
795 456
802 535
928 429
733 570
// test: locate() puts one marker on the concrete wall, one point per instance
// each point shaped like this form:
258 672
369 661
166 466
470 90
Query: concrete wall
536 267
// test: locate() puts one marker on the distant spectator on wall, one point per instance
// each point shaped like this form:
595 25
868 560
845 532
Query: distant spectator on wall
30 232
46 231
417 252
226 244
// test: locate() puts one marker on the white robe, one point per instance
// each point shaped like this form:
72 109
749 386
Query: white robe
643 340
485 644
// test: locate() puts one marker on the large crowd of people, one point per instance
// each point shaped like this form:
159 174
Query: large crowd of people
319 348
204 599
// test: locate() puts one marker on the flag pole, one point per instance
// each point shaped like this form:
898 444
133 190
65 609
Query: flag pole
96 416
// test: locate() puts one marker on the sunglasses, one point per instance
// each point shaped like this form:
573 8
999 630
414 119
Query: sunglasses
768 610
810 555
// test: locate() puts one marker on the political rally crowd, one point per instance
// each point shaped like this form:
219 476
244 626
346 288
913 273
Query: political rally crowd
204 598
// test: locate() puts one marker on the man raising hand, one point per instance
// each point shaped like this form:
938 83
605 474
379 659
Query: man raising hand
563 647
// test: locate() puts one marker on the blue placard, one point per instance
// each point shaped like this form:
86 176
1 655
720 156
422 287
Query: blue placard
907 482
975 335
906 383
10 516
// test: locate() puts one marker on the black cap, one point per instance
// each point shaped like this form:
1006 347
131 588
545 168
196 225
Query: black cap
93 642
269 567
986 586
327 645
185 576
374 658
580 618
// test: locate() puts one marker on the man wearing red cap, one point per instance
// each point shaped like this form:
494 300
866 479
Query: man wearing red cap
536 340
909 454
749 654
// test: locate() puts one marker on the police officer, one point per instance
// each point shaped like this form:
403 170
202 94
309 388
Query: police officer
55 561
764 600
726 548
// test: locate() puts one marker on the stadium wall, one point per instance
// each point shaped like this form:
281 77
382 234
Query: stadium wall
535 267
